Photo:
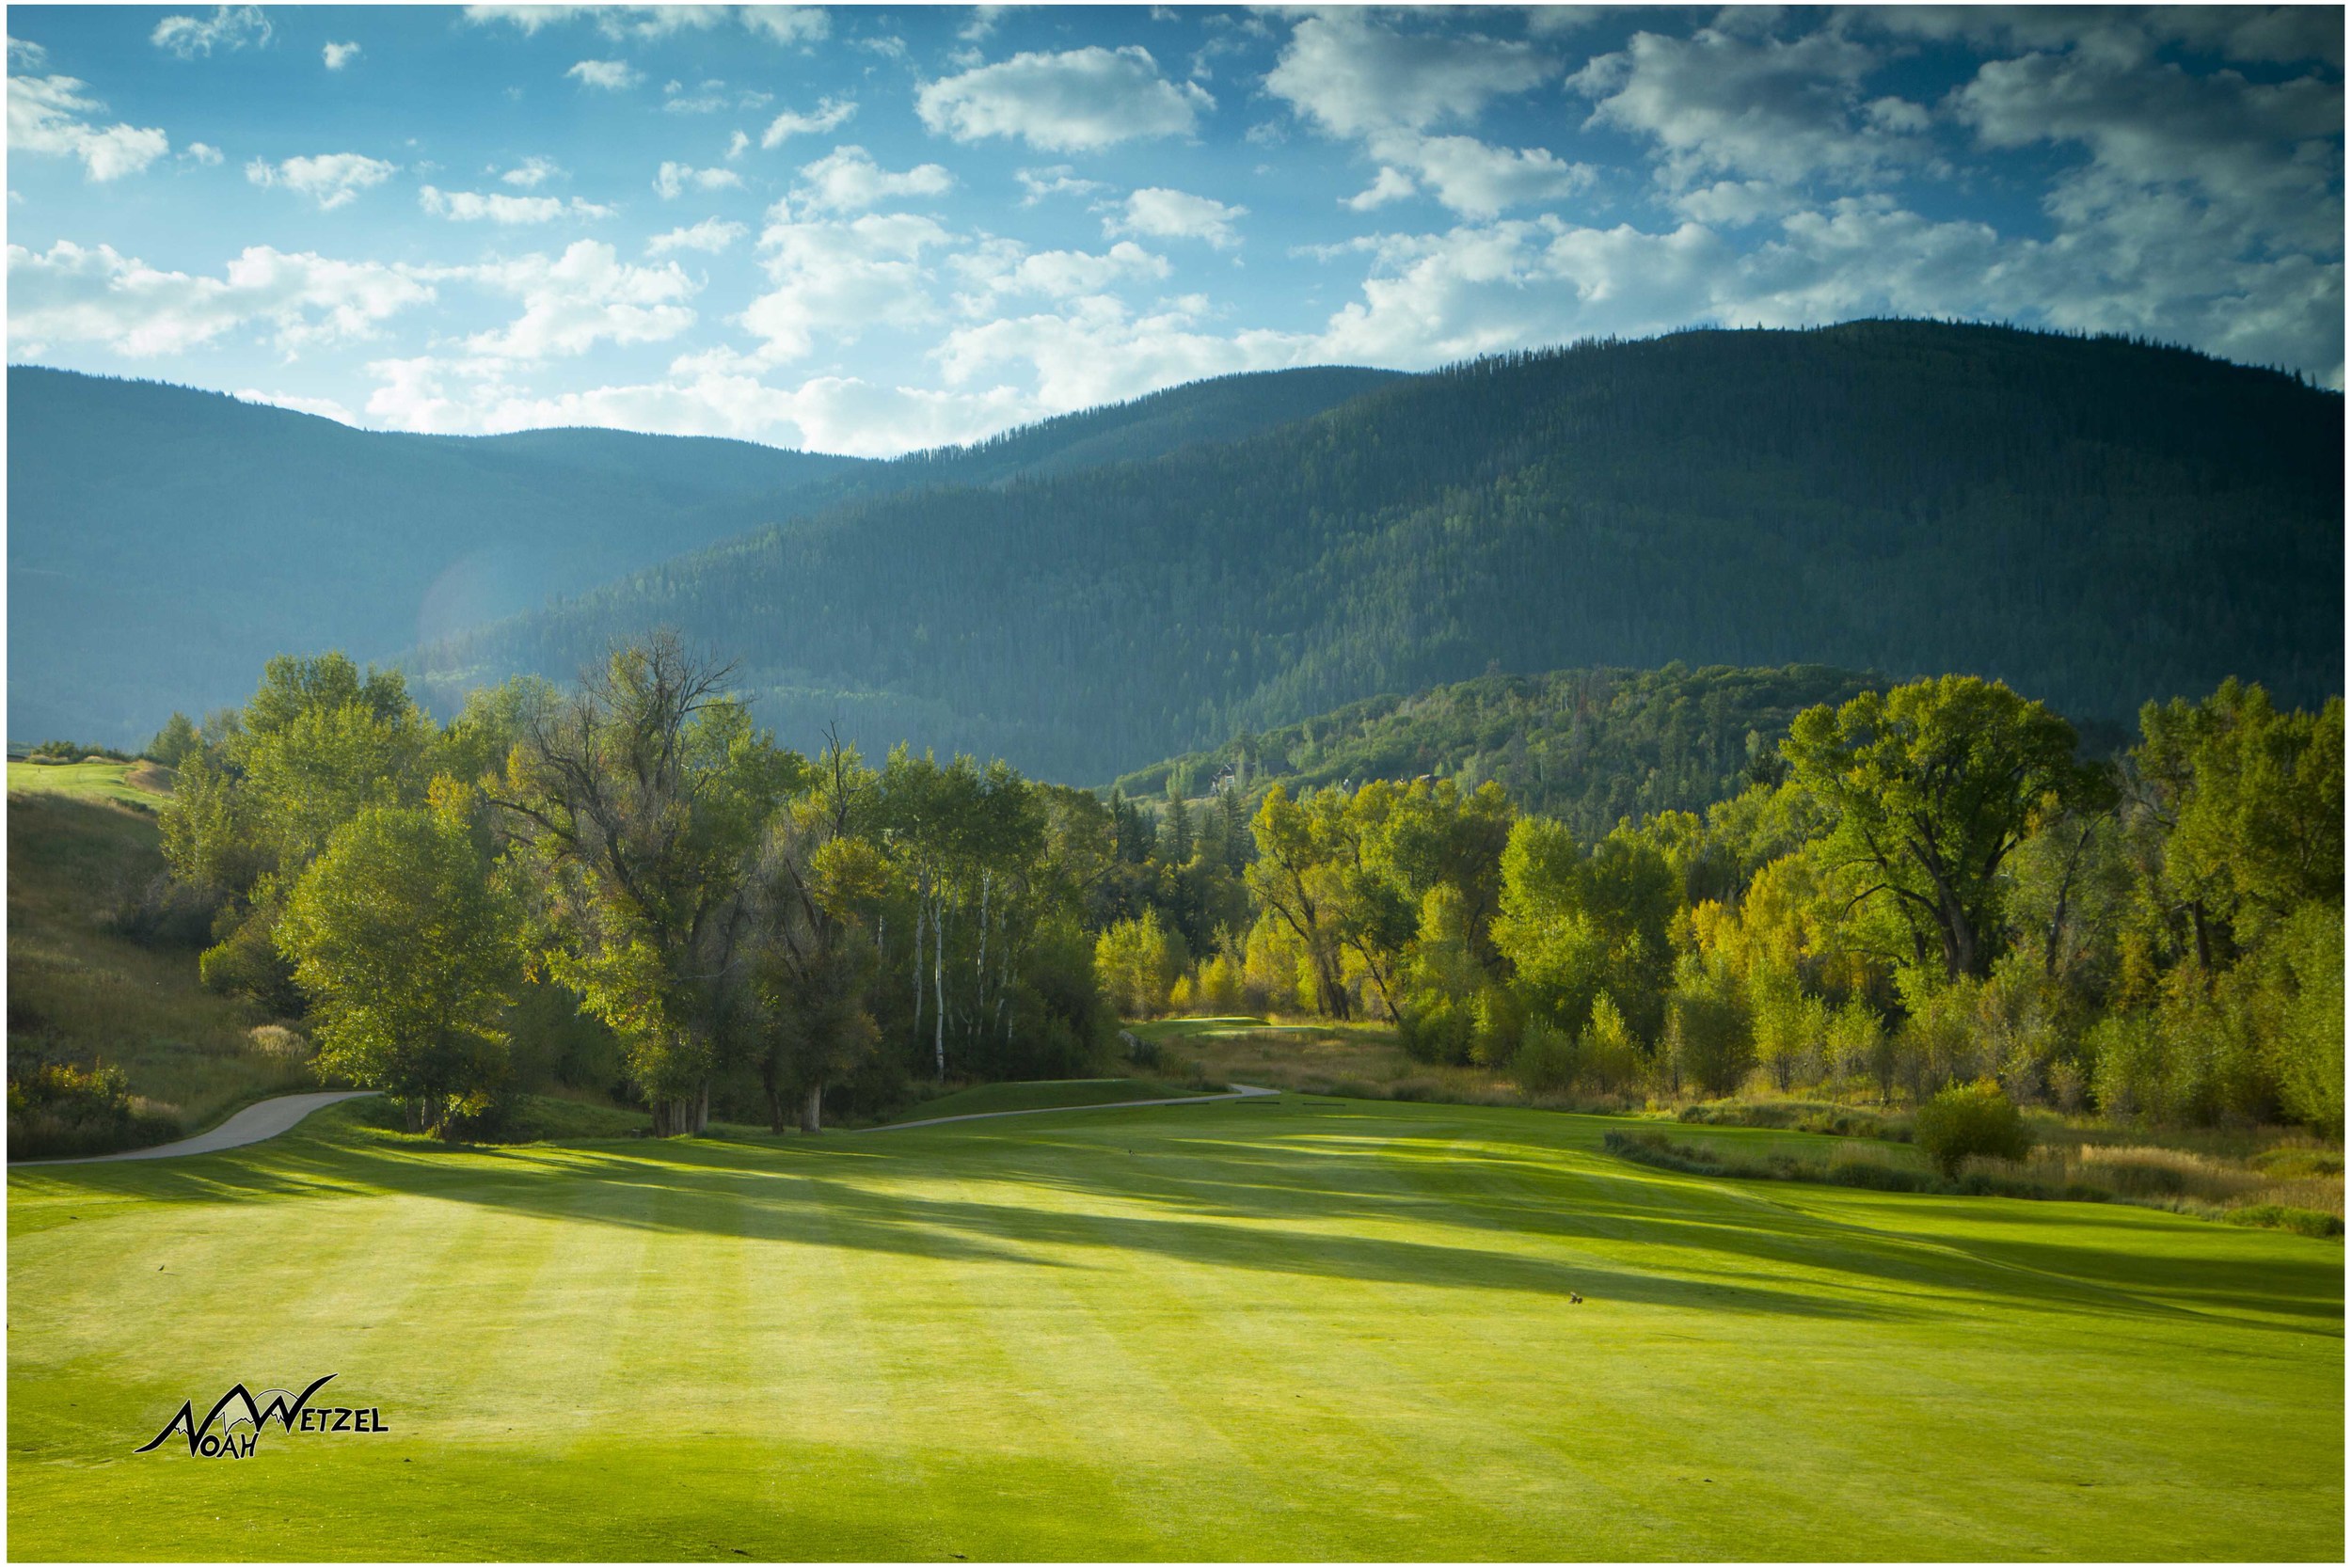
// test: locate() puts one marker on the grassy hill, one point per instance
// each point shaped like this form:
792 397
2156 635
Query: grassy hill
2097 522
1281 1329
163 542
80 991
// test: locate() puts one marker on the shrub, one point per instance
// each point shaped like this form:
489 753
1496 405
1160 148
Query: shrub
1975 1119
57 1110
1545 1061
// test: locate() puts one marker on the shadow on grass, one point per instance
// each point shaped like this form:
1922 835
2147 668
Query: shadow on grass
1229 1190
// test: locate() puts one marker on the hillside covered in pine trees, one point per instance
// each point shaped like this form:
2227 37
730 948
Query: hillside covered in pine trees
2097 522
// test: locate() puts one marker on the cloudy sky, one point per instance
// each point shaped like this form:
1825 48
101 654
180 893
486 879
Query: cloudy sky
867 230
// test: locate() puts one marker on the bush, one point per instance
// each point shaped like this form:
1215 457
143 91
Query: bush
1977 1119
57 1110
1546 1060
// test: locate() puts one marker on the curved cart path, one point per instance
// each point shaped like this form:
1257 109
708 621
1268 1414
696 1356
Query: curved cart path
264 1119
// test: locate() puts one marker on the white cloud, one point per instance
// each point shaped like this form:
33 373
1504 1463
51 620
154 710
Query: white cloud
831 114
712 234
330 178
1072 101
673 180
1470 177
838 277
789 23
229 27
609 75
710 98
1723 102
474 206
1165 214
1060 179
620 24
847 180
738 145
96 295
1351 75
1736 203
1002 267
31 55
530 174
46 115
197 151
1389 186
581 298
1094 352
340 55
326 408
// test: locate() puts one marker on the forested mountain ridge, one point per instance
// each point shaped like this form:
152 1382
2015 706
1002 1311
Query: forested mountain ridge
164 540
2095 521
1584 747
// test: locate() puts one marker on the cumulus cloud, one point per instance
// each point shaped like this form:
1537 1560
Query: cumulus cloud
1724 102
1351 75
847 180
1074 102
607 75
584 297
325 408
340 55
1003 267
228 27
1468 176
710 98
831 114
201 152
1390 184
50 115
789 23
497 207
98 296
1164 214
835 278
1060 179
330 178
1095 351
620 24
672 180
531 173
712 234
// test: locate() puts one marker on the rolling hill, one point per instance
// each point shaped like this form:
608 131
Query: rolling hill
165 542
2096 521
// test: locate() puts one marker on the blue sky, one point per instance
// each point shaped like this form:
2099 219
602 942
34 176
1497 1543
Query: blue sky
871 228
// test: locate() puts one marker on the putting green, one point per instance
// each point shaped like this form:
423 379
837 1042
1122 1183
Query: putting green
1274 1329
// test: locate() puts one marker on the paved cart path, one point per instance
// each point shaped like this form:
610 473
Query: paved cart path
264 1119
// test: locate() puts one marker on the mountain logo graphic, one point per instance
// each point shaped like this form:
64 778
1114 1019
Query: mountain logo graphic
216 1436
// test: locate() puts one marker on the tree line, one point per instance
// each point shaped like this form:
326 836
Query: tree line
1933 887
737 923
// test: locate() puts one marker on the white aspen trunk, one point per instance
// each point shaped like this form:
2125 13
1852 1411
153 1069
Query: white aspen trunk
919 972
702 1109
979 965
939 982
813 1111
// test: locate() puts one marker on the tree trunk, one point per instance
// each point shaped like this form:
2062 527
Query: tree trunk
811 1109
979 966
938 986
702 1109
919 972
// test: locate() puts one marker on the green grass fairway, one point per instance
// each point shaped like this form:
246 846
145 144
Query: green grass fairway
1276 1329
1049 1094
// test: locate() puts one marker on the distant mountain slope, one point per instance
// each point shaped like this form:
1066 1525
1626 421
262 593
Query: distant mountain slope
1586 746
164 542
2097 522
